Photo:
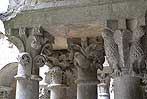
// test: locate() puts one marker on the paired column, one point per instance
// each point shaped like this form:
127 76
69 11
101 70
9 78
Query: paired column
125 54
31 41
27 87
88 57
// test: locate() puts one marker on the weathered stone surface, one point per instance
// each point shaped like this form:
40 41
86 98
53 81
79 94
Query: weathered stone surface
88 57
30 60
125 54
124 50
82 14
127 88
103 91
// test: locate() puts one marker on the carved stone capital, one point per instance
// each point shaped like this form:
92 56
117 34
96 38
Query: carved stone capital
55 75
59 58
88 56
124 51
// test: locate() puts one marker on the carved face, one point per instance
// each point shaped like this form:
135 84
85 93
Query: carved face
24 59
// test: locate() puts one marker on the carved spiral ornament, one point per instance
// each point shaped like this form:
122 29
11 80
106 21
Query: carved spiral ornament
46 50
39 61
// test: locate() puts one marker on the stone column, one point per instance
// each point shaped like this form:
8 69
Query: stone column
56 86
30 42
58 62
103 86
87 58
87 84
103 91
26 88
127 87
124 53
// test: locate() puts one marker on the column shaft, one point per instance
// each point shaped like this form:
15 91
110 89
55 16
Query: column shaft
27 89
103 91
127 87
56 86
58 93
87 84
86 91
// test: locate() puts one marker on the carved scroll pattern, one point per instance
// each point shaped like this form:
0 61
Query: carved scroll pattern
32 41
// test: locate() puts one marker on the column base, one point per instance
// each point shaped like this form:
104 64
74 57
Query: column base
36 77
52 86
20 77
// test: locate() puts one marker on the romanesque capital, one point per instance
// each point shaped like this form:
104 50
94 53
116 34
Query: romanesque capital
88 55
124 51
32 41
59 62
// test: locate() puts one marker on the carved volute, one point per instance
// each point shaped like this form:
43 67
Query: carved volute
31 43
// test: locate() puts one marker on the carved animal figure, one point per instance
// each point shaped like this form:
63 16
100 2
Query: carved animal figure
137 62
111 50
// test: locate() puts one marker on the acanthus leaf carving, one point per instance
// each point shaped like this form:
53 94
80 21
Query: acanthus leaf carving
88 56
59 59
39 61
